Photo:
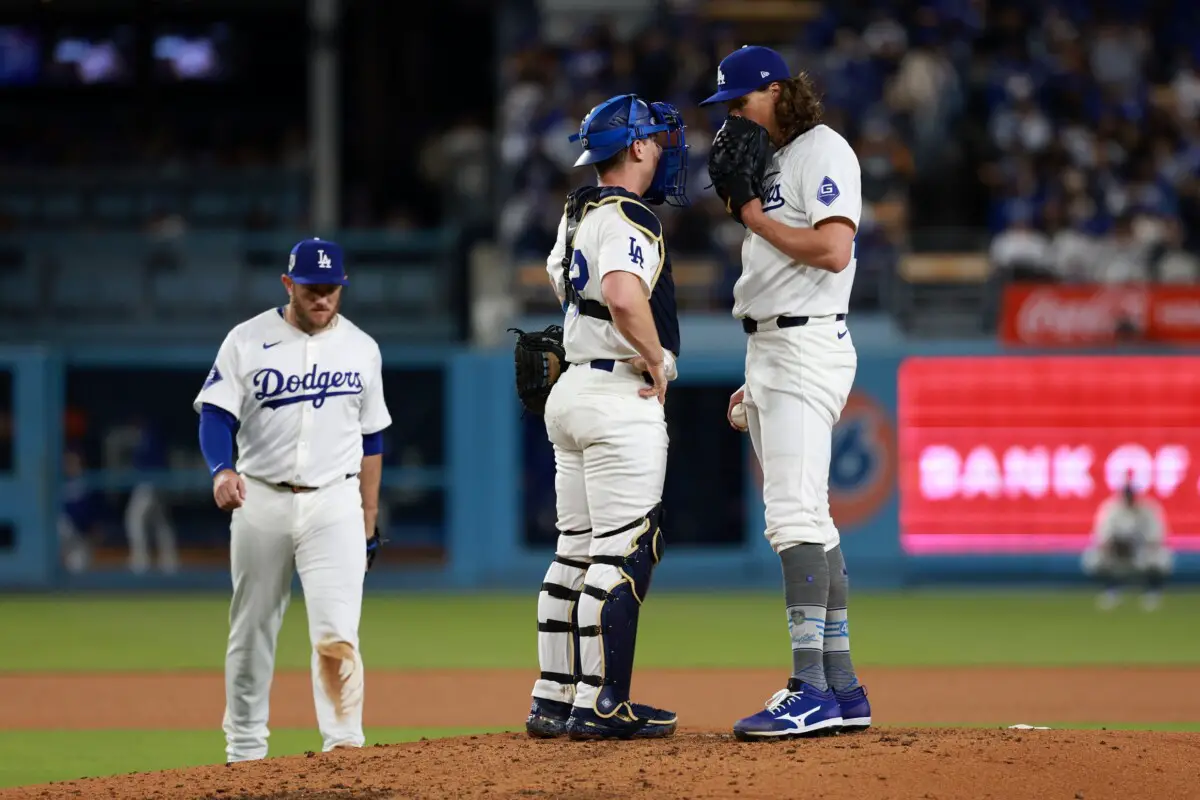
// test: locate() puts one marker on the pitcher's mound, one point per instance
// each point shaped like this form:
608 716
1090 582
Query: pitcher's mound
881 763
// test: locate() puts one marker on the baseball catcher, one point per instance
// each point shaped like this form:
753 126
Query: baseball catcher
539 360
740 153
605 417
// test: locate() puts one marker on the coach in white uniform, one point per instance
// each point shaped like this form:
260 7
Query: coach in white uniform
605 418
302 386
792 298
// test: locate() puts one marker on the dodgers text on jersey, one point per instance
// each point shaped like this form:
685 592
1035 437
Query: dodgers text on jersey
276 389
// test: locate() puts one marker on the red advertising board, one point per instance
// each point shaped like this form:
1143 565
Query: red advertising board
1016 454
1048 315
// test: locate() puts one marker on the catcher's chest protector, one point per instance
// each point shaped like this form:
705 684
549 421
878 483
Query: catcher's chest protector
662 298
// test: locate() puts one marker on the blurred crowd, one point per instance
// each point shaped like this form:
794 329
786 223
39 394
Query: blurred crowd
889 87
1093 127
1066 132
1064 135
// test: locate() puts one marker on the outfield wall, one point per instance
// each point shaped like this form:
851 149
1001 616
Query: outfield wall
468 485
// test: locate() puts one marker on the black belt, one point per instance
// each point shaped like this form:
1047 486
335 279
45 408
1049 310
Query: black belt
294 489
594 309
609 364
751 325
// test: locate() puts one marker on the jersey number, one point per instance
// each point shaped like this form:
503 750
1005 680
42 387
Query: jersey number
579 271
635 253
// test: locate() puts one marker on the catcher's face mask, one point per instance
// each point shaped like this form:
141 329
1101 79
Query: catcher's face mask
670 179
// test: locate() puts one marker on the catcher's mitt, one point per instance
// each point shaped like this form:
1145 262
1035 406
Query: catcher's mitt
539 359
738 160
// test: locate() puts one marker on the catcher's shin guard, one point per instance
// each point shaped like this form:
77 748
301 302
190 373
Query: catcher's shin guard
613 592
557 631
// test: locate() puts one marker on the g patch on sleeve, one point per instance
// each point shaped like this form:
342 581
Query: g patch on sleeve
214 375
828 191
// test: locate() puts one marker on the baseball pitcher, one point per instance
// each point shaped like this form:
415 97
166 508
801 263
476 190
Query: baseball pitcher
604 416
301 386
1129 544
794 183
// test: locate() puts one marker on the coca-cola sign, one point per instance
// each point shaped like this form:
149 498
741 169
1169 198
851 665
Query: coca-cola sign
1016 454
1039 314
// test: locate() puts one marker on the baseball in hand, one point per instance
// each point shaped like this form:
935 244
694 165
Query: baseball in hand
738 416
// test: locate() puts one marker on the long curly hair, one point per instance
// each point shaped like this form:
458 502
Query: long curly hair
798 108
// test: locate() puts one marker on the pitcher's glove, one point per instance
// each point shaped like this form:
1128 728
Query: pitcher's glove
738 161
373 545
539 359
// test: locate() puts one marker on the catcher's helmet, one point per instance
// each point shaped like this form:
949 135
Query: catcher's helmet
618 122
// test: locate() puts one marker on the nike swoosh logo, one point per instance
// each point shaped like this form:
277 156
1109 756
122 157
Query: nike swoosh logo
272 344
842 334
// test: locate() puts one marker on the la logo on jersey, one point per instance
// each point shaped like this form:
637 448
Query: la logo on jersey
276 389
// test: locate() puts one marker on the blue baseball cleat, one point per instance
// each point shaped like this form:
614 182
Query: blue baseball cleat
631 721
547 718
856 709
798 710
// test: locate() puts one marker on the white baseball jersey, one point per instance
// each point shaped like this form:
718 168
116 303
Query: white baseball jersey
303 402
617 234
814 177
1141 524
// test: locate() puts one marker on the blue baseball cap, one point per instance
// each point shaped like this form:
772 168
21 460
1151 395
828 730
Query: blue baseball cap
316 261
746 70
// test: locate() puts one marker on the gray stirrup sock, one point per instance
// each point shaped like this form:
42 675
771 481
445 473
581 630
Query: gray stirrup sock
838 667
806 590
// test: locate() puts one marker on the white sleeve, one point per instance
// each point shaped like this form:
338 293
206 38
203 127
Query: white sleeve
223 386
625 247
554 260
374 415
831 181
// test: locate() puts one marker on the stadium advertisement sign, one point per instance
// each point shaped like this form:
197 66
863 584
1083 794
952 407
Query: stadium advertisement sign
1015 455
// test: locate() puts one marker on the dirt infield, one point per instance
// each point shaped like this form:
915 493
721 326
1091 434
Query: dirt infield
702 762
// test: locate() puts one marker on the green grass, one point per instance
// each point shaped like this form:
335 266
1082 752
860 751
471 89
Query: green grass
678 630
45 756
91 633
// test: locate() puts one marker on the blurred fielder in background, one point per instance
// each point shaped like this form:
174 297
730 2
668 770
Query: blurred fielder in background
1129 546
605 417
796 186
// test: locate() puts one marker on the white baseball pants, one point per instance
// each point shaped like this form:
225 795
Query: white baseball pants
797 383
320 535
610 454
